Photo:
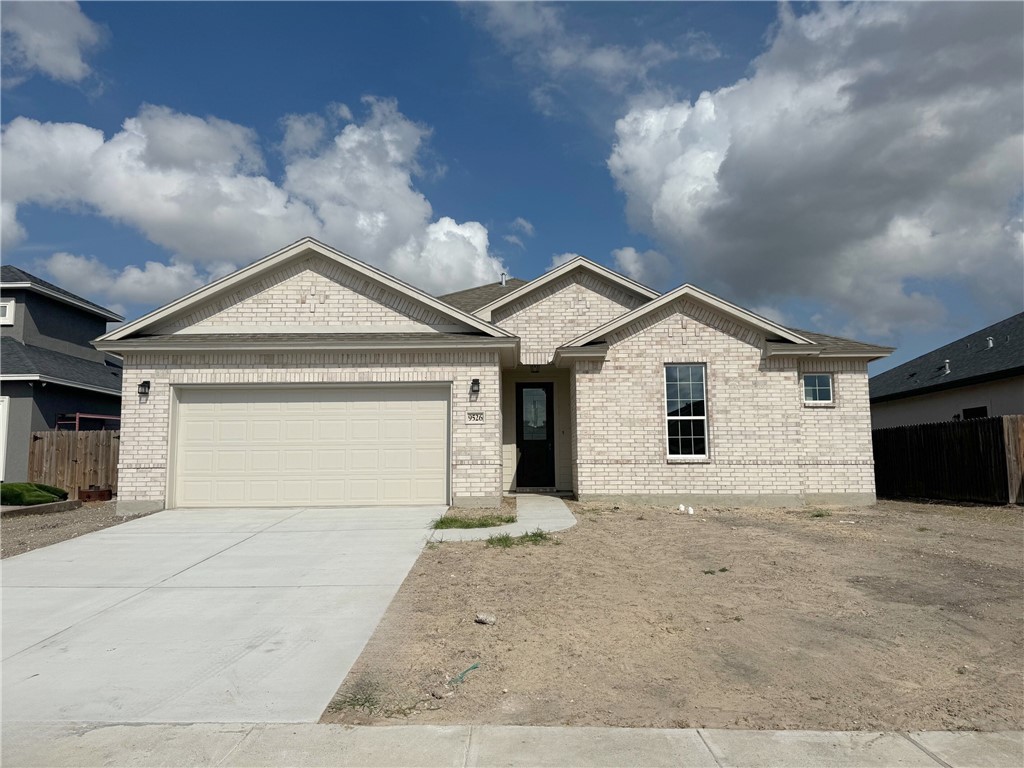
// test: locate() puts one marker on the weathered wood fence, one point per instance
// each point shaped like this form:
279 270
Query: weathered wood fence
978 460
74 460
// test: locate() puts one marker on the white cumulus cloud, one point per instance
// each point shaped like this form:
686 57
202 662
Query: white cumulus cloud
154 283
198 187
872 157
51 38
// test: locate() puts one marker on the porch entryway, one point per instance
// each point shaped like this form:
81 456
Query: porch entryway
536 429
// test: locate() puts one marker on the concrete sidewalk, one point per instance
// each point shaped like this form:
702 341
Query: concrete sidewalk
533 511
207 744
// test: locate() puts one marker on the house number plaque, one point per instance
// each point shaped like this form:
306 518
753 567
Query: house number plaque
474 417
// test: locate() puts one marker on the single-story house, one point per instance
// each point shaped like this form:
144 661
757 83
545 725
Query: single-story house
311 378
977 376
50 374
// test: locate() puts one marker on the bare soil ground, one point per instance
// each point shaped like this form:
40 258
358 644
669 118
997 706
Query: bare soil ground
898 616
22 533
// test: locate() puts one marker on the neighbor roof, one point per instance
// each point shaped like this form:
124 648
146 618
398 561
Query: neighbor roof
471 299
27 363
15 277
971 361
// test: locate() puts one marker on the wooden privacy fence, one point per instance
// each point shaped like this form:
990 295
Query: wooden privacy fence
977 460
74 460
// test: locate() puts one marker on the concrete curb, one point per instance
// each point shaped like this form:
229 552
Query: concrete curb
462 746
548 513
42 509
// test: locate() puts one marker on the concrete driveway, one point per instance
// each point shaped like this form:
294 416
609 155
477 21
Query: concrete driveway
251 615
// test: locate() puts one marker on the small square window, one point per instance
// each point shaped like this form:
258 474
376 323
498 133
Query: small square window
7 312
818 388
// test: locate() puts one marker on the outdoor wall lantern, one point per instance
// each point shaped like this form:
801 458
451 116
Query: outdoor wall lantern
474 387
144 387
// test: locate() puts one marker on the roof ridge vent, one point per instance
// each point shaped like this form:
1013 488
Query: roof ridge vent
991 341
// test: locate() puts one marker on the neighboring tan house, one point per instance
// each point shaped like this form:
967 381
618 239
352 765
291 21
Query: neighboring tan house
49 371
977 376
310 378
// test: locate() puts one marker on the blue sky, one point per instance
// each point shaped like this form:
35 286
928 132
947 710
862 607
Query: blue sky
852 169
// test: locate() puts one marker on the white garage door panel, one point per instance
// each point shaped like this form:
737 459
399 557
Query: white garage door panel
322 446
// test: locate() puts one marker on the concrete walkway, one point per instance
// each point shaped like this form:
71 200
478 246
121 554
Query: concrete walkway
533 511
204 744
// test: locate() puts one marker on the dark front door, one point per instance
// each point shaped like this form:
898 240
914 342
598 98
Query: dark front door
535 436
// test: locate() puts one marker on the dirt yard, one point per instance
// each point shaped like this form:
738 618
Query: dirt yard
22 533
899 616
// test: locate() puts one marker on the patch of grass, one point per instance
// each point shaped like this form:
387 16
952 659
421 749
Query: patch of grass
922 529
369 695
723 569
821 513
483 521
505 540
365 693
28 494
709 572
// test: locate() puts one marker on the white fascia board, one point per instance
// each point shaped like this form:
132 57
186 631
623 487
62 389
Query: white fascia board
566 357
727 308
106 314
275 259
61 382
580 261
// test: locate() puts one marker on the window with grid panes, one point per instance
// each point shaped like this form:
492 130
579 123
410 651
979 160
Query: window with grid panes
686 410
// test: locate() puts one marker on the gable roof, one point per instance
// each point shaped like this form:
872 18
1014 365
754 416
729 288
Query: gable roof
691 291
579 262
298 249
25 362
782 340
970 358
471 299
12 277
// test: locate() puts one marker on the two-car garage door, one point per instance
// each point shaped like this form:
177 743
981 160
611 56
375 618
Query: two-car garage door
263 446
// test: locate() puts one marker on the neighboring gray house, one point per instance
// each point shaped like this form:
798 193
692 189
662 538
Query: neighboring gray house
49 369
977 376
311 378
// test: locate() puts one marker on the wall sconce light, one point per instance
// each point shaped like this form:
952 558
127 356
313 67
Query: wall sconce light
144 387
474 387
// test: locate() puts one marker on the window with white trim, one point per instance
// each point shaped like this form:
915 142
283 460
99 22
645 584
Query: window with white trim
818 388
7 312
686 411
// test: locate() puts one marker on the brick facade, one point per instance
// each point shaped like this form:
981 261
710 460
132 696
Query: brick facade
562 310
146 421
764 441
312 293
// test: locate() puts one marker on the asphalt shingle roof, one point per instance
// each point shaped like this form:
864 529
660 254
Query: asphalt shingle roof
12 274
471 299
970 360
837 345
17 359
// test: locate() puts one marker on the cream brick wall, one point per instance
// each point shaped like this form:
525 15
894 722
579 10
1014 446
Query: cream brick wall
145 422
561 311
313 292
763 440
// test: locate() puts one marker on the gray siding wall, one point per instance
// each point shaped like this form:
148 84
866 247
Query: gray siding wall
43 322
19 431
